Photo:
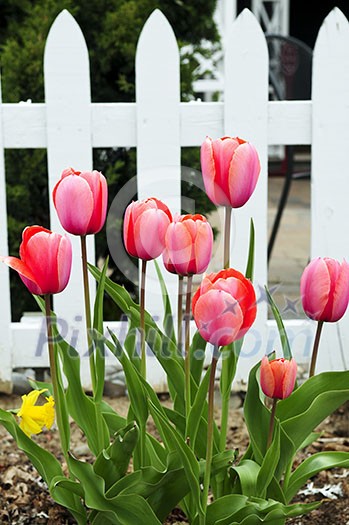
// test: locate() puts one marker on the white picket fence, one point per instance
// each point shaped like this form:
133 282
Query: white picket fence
158 124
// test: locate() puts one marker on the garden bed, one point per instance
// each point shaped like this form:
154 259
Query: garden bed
24 498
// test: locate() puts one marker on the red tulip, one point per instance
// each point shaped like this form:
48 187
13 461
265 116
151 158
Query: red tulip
325 289
145 225
224 307
45 260
188 245
81 199
230 169
278 377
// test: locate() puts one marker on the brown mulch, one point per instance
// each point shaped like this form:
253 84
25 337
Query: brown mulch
24 498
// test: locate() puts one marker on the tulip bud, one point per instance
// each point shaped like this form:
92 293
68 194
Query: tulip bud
230 170
145 225
188 245
224 307
81 200
45 260
278 377
324 289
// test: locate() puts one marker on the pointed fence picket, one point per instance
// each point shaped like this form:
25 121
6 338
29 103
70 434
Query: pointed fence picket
158 124
5 303
158 140
330 210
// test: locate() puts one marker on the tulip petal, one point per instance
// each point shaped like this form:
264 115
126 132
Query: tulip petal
218 317
128 230
341 293
243 174
203 247
289 378
64 262
243 291
149 233
315 288
24 272
208 168
267 380
179 244
27 234
41 257
73 200
98 185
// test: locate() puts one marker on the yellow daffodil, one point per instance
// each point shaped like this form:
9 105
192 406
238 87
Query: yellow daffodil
35 417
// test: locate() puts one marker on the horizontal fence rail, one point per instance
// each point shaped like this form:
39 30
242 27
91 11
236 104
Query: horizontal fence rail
158 124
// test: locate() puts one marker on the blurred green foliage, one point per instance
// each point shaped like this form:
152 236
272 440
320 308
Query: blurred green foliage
111 29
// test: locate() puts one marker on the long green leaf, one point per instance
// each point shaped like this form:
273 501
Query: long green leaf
197 409
112 463
247 472
98 325
136 392
118 293
197 356
189 461
311 403
163 490
168 317
69 494
256 416
126 510
250 259
230 356
312 466
269 464
235 509
281 327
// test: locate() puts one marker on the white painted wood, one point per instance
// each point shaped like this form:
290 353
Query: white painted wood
245 115
5 302
330 211
68 102
297 114
114 123
158 136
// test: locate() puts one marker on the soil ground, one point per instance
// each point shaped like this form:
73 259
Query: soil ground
24 498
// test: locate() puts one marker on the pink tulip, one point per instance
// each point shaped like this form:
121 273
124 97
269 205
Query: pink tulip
224 307
145 225
278 377
188 245
81 199
230 170
325 289
45 260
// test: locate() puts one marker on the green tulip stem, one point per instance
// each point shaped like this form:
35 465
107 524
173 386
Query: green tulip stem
224 420
142 320
187 348
315 348
272 422
88 313
226 397
227 227
210 423
180 313
54 378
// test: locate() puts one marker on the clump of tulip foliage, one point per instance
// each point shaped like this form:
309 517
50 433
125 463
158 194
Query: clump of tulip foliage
132 477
